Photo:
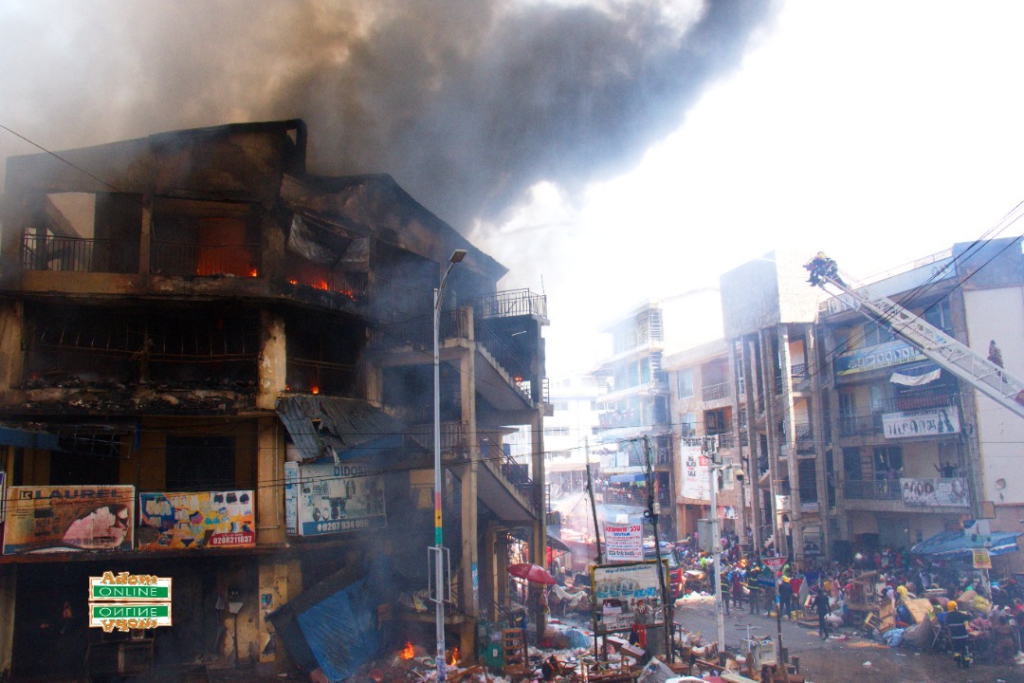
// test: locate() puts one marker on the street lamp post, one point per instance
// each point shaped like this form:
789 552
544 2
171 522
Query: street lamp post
438 549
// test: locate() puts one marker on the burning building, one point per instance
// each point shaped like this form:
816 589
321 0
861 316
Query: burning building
230 358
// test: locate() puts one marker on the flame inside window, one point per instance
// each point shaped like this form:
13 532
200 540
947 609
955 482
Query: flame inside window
407 652
454 659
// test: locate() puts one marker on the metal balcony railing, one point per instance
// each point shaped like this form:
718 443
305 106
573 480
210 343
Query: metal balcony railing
715 392
916 401
79 255
879 489
186 259
511 303
320 377
325 280
859 425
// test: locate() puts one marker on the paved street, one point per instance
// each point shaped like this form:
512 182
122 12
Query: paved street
843 661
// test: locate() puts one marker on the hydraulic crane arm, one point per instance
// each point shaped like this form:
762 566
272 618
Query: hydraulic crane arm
948 353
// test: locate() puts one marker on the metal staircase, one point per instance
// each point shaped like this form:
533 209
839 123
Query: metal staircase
970 366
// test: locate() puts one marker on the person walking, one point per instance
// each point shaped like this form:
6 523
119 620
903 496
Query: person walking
823 608
754 588
786 597
736 585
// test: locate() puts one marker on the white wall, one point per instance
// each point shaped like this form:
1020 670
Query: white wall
999 314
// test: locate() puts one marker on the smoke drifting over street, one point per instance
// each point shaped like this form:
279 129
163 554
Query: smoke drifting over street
467 103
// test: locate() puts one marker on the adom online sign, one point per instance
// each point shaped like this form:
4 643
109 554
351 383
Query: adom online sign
127 601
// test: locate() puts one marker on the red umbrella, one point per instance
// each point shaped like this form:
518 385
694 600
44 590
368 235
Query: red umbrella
531 572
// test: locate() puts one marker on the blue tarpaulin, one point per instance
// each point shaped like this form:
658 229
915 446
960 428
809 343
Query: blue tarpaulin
337 628
955 545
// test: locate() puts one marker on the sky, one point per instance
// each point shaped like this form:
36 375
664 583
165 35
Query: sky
606 151
879 132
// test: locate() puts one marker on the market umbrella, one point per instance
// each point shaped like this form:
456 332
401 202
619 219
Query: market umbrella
531 572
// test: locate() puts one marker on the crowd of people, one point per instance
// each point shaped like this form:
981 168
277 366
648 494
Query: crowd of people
963 612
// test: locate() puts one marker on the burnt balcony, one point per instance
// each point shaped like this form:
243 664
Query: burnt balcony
189 259
79 254
512 303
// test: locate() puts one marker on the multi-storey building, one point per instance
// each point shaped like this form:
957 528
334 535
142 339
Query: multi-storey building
769 313
574 425
635 409
703 392
216 367
917 450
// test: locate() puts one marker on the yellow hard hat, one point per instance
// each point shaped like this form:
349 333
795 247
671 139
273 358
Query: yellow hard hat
952 606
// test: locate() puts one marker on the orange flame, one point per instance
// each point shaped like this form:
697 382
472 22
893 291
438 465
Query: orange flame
253 273
322 285
293 282
455 656
407 652
316 390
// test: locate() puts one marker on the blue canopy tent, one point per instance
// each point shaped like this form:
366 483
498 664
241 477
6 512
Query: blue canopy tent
954 545
631 478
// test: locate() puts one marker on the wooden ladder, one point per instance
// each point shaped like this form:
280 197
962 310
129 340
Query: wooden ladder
514 642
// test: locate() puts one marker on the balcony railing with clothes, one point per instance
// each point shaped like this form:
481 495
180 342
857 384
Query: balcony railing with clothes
511 303
878 489
186 259
79 255
715 392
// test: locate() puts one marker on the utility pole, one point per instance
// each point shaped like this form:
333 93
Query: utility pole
593 501
653 511
714 466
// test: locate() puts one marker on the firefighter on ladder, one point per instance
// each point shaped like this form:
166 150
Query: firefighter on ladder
822 268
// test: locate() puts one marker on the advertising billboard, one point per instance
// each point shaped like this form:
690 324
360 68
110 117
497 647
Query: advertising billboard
331 498
69 518
203 519
627 594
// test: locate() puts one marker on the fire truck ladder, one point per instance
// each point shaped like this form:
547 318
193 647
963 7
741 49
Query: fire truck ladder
948 353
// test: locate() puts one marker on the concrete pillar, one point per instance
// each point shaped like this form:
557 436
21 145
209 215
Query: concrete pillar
774 475
270 446
8 584
540 528
838 464
793 459
822 449
469 571
734 365
753 443
279 582
273 370
12 355
146 237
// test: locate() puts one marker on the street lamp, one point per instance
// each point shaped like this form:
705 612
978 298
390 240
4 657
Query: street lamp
438 549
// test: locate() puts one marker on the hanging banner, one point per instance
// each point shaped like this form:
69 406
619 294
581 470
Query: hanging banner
624 542
982 558
934 492
878 356
695 473
627 594
921 423
332 498
291 498
203 519
69 518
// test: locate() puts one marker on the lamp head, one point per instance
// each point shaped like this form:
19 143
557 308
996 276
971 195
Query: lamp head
457 256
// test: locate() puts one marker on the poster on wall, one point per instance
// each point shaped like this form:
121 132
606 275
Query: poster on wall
332 498
921 423
623 542
695 474
627 594
929 492
69 518
291 498
200 519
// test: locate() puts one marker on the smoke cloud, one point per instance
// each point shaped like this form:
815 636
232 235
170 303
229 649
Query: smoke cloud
467 103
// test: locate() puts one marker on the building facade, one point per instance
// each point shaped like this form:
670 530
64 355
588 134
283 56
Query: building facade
216 367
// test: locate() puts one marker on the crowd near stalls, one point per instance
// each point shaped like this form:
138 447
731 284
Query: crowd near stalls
939 601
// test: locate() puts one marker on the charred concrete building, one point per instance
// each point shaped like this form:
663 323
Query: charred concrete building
216 367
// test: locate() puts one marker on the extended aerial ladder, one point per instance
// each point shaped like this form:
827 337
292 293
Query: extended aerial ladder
949 354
